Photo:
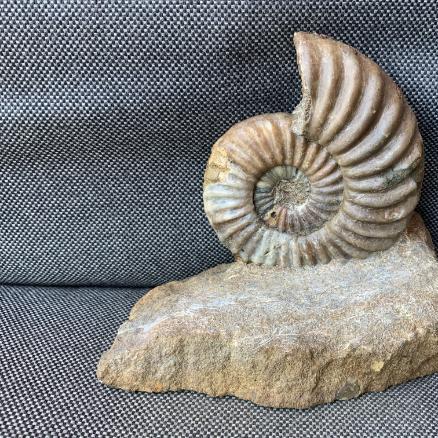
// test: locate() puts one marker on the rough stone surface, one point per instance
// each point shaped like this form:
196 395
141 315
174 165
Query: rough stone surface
286 338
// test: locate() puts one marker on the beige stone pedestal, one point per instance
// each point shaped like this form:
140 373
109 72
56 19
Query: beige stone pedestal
286 338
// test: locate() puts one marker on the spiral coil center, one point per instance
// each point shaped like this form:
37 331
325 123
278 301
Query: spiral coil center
292 192
282 200
281 187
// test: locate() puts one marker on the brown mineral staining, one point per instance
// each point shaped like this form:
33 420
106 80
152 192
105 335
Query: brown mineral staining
338 178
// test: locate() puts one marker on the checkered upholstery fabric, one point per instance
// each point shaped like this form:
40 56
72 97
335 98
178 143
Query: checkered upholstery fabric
108 113
52 338
109 110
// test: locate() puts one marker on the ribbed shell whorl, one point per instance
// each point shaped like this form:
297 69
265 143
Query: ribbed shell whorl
337 178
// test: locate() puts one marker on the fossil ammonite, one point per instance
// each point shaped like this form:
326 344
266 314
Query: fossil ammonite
337 178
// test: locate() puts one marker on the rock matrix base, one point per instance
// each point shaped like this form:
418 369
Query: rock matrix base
286 338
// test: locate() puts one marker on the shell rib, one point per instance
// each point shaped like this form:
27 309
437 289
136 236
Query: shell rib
337 178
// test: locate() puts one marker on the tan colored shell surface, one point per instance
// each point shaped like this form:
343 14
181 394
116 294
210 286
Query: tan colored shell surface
337 178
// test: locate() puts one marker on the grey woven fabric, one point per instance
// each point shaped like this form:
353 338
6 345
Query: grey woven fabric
109 110
52 338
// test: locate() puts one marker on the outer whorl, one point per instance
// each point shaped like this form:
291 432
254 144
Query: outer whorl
339 177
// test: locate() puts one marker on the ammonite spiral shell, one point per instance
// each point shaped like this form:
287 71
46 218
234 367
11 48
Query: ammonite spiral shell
337 178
